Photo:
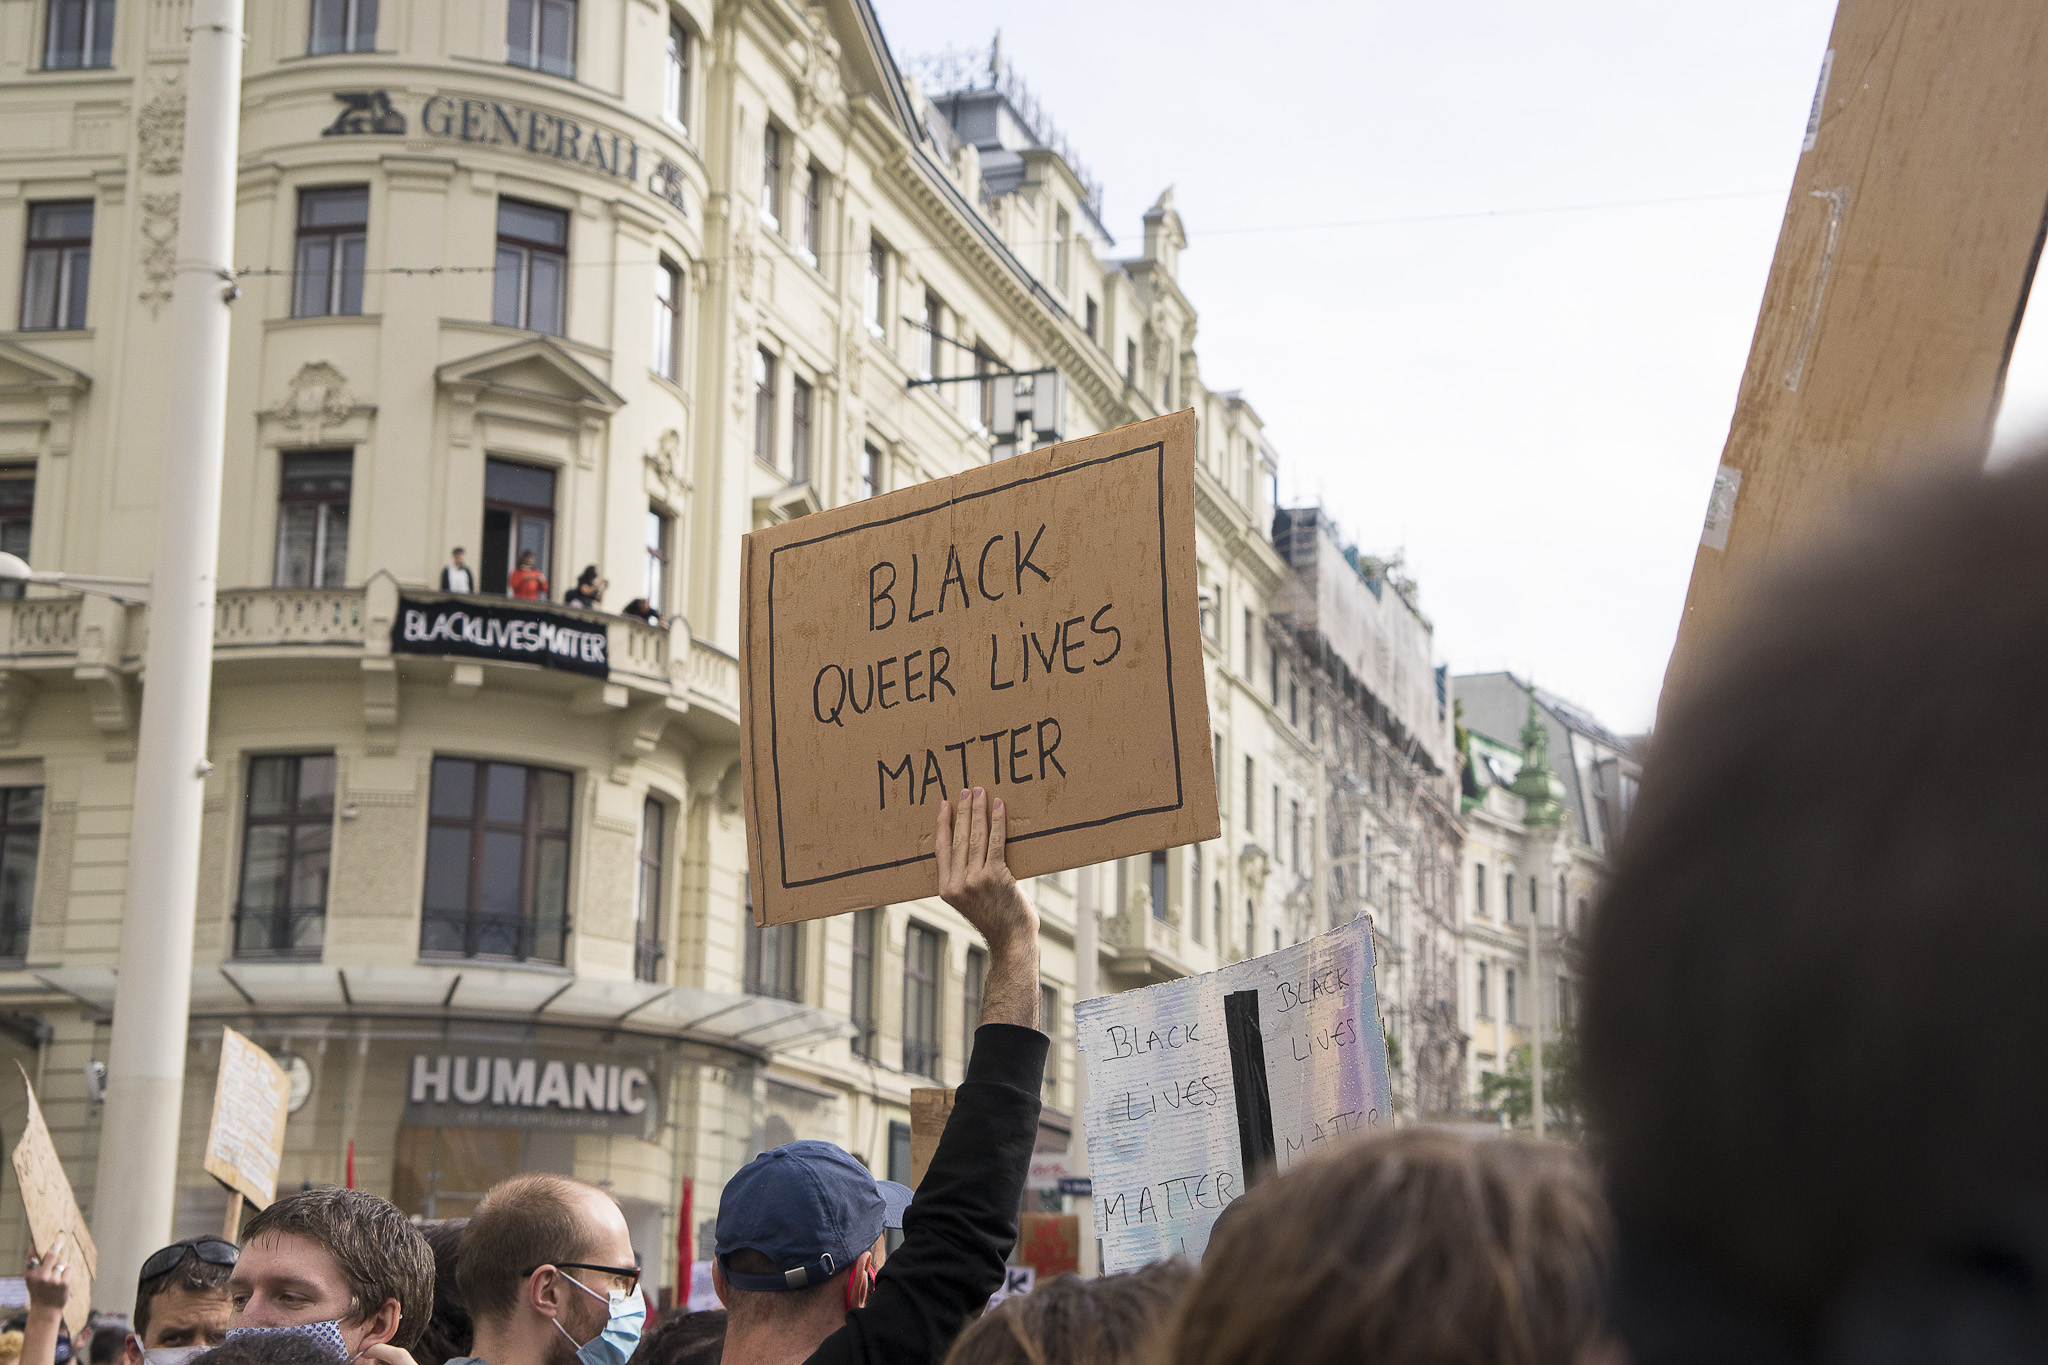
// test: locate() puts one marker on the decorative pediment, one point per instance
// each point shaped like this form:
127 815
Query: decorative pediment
786 504
22 372
537 368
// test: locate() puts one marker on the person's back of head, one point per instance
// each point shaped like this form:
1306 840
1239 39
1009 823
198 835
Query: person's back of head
524 1222
1813 985
1068 1320
1407 1248
448 1333
381 1256
684 1338
270 1349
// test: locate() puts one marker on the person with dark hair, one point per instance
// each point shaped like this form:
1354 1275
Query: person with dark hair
340 1265
800 1227
1813 984
449 1333
1409 1247
267 1349
589 589
109 1335
181 1303
549 1275
684 1338
642 609
1077 1321
456 576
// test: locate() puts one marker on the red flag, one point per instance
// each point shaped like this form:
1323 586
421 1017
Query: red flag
685 1237
350 1174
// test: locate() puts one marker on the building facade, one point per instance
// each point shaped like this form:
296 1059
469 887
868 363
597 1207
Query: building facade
1547 792
561 283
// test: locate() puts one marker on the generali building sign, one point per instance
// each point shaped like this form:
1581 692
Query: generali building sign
530 129
575 1094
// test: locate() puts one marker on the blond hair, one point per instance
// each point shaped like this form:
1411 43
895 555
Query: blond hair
1416 1246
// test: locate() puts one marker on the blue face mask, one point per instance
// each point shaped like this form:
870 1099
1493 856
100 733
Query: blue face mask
328 1334
614 1345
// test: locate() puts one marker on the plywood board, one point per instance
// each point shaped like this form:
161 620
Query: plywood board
52 1209
1029 627
1902 270
250 1101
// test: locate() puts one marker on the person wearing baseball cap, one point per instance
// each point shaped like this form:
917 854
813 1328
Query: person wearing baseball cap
800 1228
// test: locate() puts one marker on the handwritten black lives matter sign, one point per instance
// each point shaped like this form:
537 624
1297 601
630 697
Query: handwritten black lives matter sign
1029 628
1199 1086
507 633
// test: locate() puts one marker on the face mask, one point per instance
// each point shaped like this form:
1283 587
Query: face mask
327 1334
614 1345
165 1355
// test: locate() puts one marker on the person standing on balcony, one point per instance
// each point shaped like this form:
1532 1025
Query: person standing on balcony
528 583
455 575
589 589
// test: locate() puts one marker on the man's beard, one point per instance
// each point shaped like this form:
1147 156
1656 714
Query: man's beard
563 1350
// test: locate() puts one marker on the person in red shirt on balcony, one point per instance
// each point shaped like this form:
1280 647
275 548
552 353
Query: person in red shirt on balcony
527 582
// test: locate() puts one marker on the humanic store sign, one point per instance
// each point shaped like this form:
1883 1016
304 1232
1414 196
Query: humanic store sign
523 128
484 1091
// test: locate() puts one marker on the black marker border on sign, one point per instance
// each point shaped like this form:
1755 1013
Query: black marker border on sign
1158 449
1248 1078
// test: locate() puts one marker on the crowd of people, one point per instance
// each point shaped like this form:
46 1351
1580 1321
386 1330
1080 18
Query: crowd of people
1810 991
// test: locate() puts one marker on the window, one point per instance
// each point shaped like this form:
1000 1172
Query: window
1250 929
668 320
1062 228
1216 908
1294 834
328 269
1508 992
1195 892
58 266
17 517
647 935
870 471
928 340
1251 474
540 35
1273 673
519 516
1093 324
878 269
771 176
1579 920
21 832
533 265
1247 661
811 231
1216 765
343 26
1507 898
1479 890
985 388
1157 884
921 1001
769 963
675 87
497 862
970 999
1250 791
1293 701
312 520
1535 906
863 1012
764 406
1563 904
800 431
81 34
1276 821
1049 1025
654 587
1484 998
1130 364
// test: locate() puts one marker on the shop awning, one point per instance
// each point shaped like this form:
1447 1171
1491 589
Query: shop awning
749 1023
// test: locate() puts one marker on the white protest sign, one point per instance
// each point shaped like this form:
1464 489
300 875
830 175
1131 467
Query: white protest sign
1017 1279
246 1140
1259 1065
703 1295
1047 1169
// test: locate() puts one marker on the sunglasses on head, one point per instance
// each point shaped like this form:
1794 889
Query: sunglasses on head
212 1250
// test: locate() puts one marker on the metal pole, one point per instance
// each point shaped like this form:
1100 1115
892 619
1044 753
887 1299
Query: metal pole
1536 1013
138 1166
1086 987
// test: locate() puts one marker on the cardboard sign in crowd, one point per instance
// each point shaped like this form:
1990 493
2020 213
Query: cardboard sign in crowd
1200 1086
54 1222
1029 627
245 1143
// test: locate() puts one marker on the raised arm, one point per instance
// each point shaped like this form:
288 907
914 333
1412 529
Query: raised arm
975 880
49 1289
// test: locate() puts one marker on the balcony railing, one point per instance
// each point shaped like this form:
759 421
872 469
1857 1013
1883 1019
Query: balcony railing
256 618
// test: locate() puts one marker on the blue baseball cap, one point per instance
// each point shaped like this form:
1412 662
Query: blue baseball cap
810 1208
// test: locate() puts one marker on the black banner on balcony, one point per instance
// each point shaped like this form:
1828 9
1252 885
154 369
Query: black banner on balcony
508 634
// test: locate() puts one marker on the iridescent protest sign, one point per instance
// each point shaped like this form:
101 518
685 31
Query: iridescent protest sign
1193 1083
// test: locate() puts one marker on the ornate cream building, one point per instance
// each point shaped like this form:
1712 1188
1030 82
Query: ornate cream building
606 283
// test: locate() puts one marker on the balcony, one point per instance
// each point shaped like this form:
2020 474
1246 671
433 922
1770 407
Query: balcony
655 675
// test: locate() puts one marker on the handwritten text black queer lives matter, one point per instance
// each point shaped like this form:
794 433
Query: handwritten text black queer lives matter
900 595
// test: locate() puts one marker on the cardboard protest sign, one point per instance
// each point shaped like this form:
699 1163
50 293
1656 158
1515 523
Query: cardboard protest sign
250 1101
1909 246
1050 1243
930 1107
52 1211
1029 627
1194 1083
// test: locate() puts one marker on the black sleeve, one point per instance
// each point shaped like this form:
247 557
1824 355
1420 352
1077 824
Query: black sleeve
960 1228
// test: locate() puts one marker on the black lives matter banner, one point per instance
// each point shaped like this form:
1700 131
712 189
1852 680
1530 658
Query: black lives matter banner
505 634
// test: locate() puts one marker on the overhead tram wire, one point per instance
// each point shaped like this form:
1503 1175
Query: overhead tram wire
1346 224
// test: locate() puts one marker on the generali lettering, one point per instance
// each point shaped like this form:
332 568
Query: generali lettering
526 1083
